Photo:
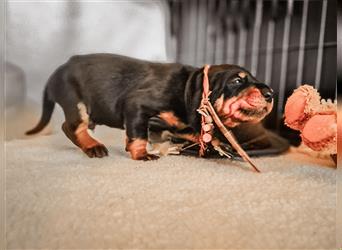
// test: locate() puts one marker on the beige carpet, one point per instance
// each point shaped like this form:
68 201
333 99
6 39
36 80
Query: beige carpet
58 198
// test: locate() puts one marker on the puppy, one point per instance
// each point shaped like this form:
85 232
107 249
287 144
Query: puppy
123 92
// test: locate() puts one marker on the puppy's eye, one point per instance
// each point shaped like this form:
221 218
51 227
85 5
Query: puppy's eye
237 81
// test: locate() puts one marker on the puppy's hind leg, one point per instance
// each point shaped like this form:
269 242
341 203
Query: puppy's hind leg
76 129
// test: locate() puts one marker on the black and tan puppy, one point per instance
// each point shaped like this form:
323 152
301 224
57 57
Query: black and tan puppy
125 93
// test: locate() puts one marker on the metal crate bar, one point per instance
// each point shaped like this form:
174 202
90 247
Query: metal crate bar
256 37
302 43
269 51
320 44
284 57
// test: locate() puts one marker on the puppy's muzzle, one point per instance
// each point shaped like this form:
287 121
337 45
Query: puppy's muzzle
266 91
252 104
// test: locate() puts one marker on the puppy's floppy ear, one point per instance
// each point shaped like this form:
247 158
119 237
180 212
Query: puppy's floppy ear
194 90
217 81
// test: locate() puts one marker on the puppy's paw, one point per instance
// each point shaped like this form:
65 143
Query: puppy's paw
97 151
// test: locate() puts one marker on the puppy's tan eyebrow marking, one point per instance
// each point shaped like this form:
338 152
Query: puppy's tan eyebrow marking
242 74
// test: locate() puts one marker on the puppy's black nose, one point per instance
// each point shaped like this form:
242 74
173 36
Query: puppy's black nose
267 93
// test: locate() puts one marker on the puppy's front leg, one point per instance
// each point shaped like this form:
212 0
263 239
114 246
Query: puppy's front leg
137 135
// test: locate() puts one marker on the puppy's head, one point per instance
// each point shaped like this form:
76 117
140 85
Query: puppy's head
235 94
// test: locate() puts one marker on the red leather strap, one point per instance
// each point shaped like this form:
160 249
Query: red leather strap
205 94
205 100
206 109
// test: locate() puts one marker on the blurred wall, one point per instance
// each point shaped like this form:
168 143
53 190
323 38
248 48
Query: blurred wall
43 35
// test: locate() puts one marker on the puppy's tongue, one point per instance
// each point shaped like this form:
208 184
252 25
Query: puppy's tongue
232 105
254 98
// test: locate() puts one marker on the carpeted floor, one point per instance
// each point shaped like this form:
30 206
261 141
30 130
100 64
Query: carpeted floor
59 198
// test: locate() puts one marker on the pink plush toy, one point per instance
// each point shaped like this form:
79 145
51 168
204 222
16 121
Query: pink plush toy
314 117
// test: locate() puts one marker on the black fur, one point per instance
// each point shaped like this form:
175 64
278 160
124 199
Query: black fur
123 92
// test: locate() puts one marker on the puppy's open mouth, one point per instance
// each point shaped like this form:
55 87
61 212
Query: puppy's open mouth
249 106
253 112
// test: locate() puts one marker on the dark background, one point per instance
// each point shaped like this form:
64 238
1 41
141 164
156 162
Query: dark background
284 43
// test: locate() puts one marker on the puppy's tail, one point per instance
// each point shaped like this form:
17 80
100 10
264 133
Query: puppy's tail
48 107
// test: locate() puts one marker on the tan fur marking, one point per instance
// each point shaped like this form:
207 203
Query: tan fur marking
189 137
82 110
172 120
83 138
137 148
219 103
242 74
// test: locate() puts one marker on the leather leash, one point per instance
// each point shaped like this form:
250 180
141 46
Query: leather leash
208 115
